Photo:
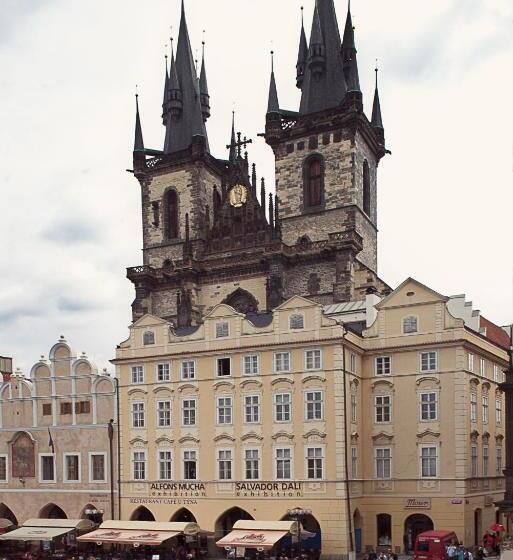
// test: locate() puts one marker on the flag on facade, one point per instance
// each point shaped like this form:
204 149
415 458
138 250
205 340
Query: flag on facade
50 441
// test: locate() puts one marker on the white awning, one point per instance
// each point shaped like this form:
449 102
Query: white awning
35 533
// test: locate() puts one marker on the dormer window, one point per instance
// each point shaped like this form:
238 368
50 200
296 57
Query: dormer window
296 321
222 329
410 324
148 338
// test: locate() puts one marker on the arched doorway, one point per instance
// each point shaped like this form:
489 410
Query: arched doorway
142 514
226 521
6 513
413 525
357 525
92 513
478 529
310 524
52 511
384 529
184 515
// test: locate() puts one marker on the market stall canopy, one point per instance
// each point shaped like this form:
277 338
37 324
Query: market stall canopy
139 532
5 523
258 534
46 529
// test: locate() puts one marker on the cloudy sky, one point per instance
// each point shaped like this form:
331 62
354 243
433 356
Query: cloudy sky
70 221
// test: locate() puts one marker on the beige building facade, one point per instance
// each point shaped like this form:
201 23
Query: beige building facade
55 440
381 420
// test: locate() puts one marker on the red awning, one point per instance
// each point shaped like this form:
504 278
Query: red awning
128 536
251 538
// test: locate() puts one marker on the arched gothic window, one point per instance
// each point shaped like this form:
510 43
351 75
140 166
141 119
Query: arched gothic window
366 189
171 214
314 182
217 202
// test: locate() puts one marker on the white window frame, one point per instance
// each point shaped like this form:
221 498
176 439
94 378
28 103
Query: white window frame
132 367
182 416
305 399
485 408
404 332
474 461
132 414
390 459
218 398
230 450
322 458
275 368
314 359
352 362
220 325
257 356
216 363
65 470
354 462
293 315
275 406
145 461
470 361
105 467
498 464
354 407
377 367
486 460
157 372
496 373
6 457
245 406
40 465
473 406
429 370
158 461
376 397
498 411
187 377
482 367
188 450
158 424
144 343
432 392
437 459
275 461
244 459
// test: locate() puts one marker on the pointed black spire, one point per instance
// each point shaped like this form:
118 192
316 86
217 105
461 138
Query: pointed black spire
324 84
262 194
175 93
273 105
271 210
277 227
302 56
376 120
187 123
349 54
233 152
165 97
205 97
138 139
254 177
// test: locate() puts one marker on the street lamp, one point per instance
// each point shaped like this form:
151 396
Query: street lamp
298 514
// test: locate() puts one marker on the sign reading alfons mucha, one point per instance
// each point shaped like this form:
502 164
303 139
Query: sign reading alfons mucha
238 195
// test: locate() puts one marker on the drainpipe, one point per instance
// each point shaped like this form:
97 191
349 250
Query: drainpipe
346 459
118 463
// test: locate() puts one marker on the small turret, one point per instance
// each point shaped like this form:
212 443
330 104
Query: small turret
204 95
377 121
233 151
317 50
302 56
273 105
138 138
349 59
165 98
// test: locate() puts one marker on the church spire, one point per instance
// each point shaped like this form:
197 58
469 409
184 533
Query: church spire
205 97
324 84
165 98
233 153
138 138
273 105
186 122
349 54
302 55
377 121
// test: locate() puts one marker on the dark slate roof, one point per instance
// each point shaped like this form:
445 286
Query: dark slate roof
356 327
185 331
260 319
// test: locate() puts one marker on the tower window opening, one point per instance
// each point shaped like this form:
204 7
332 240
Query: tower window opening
366 189
171 214
314 182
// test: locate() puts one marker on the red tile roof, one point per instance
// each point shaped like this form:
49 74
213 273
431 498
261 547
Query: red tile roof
494 333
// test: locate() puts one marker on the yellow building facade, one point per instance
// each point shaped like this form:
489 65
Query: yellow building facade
381 420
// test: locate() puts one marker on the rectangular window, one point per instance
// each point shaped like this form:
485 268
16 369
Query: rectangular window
314 463
312 359
222 329
282 402
224 459
47 468
428 461
471 362
252 464
473 407
224 367
314 405
485 409
354 462
3 468
188 369
482 367
189 465
281 362
383 365
428 406
352 363
97 467
251 409
139 465
82 407
498 461
165 465
224 410
72 467
383 458
251 364
138 420
410 325
137 374
283 459
498 412
496 373
163 372
47 409
163 414
354 409
66 408
485 460
189 412
383 408
296 321
428 361
473 461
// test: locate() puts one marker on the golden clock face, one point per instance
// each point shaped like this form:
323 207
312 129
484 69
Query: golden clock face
238 196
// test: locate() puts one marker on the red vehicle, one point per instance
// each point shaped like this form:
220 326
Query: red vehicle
432 545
